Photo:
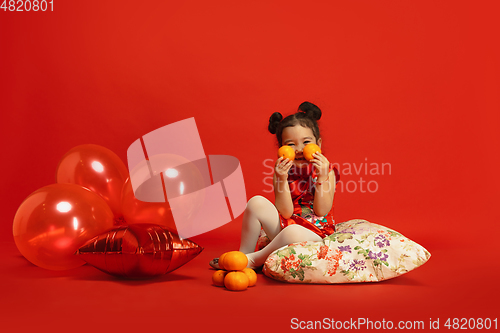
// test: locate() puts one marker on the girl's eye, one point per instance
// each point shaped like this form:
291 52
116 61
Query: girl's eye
291 144
307 142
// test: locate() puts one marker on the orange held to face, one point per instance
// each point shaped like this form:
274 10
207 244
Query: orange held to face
309 150
236 281
286 152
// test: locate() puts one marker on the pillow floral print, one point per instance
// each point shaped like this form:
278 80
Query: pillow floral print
359 251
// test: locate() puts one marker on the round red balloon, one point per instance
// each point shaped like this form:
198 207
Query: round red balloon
137 211
54 221
96 168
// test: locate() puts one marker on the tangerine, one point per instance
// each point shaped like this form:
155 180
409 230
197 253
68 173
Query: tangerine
286 152
221 259
252 276
309 150
236 281
234 261
218 278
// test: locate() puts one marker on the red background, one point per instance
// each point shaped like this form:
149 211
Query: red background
413 84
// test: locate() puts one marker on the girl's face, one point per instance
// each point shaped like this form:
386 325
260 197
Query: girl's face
297 137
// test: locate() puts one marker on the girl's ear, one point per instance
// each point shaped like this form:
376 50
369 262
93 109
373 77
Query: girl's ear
319 142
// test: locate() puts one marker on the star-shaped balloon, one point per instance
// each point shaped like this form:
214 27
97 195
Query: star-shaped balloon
138 251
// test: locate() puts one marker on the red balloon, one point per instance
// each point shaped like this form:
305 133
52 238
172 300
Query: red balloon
54 221
96 168
138 251
136 211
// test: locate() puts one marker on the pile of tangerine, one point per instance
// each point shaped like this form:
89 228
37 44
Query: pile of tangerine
234 273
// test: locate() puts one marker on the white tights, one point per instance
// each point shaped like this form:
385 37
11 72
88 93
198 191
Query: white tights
260 212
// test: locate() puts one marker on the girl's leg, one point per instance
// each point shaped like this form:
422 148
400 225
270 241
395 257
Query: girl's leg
292 234
259 212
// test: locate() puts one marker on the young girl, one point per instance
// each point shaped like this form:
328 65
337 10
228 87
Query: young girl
299 186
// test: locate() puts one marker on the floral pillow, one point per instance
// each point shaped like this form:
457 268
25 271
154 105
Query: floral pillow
359 251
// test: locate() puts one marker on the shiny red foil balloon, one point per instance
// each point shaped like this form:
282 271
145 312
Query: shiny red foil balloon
96 168
138 251
137 211
54 221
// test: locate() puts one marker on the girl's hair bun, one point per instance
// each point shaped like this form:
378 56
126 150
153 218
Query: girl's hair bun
274 121
310 110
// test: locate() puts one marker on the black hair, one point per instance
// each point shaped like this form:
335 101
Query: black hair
307 116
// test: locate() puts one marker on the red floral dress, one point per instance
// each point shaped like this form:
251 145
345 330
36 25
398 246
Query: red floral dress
302 183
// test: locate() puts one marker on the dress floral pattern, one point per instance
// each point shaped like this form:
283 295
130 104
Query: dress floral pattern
359 251
302 184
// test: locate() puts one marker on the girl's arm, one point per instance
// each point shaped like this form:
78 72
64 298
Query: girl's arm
282 196
325 185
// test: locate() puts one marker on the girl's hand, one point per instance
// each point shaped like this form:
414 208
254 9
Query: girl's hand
281 168
322 166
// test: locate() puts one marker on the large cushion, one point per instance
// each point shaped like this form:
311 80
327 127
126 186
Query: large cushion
359 251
